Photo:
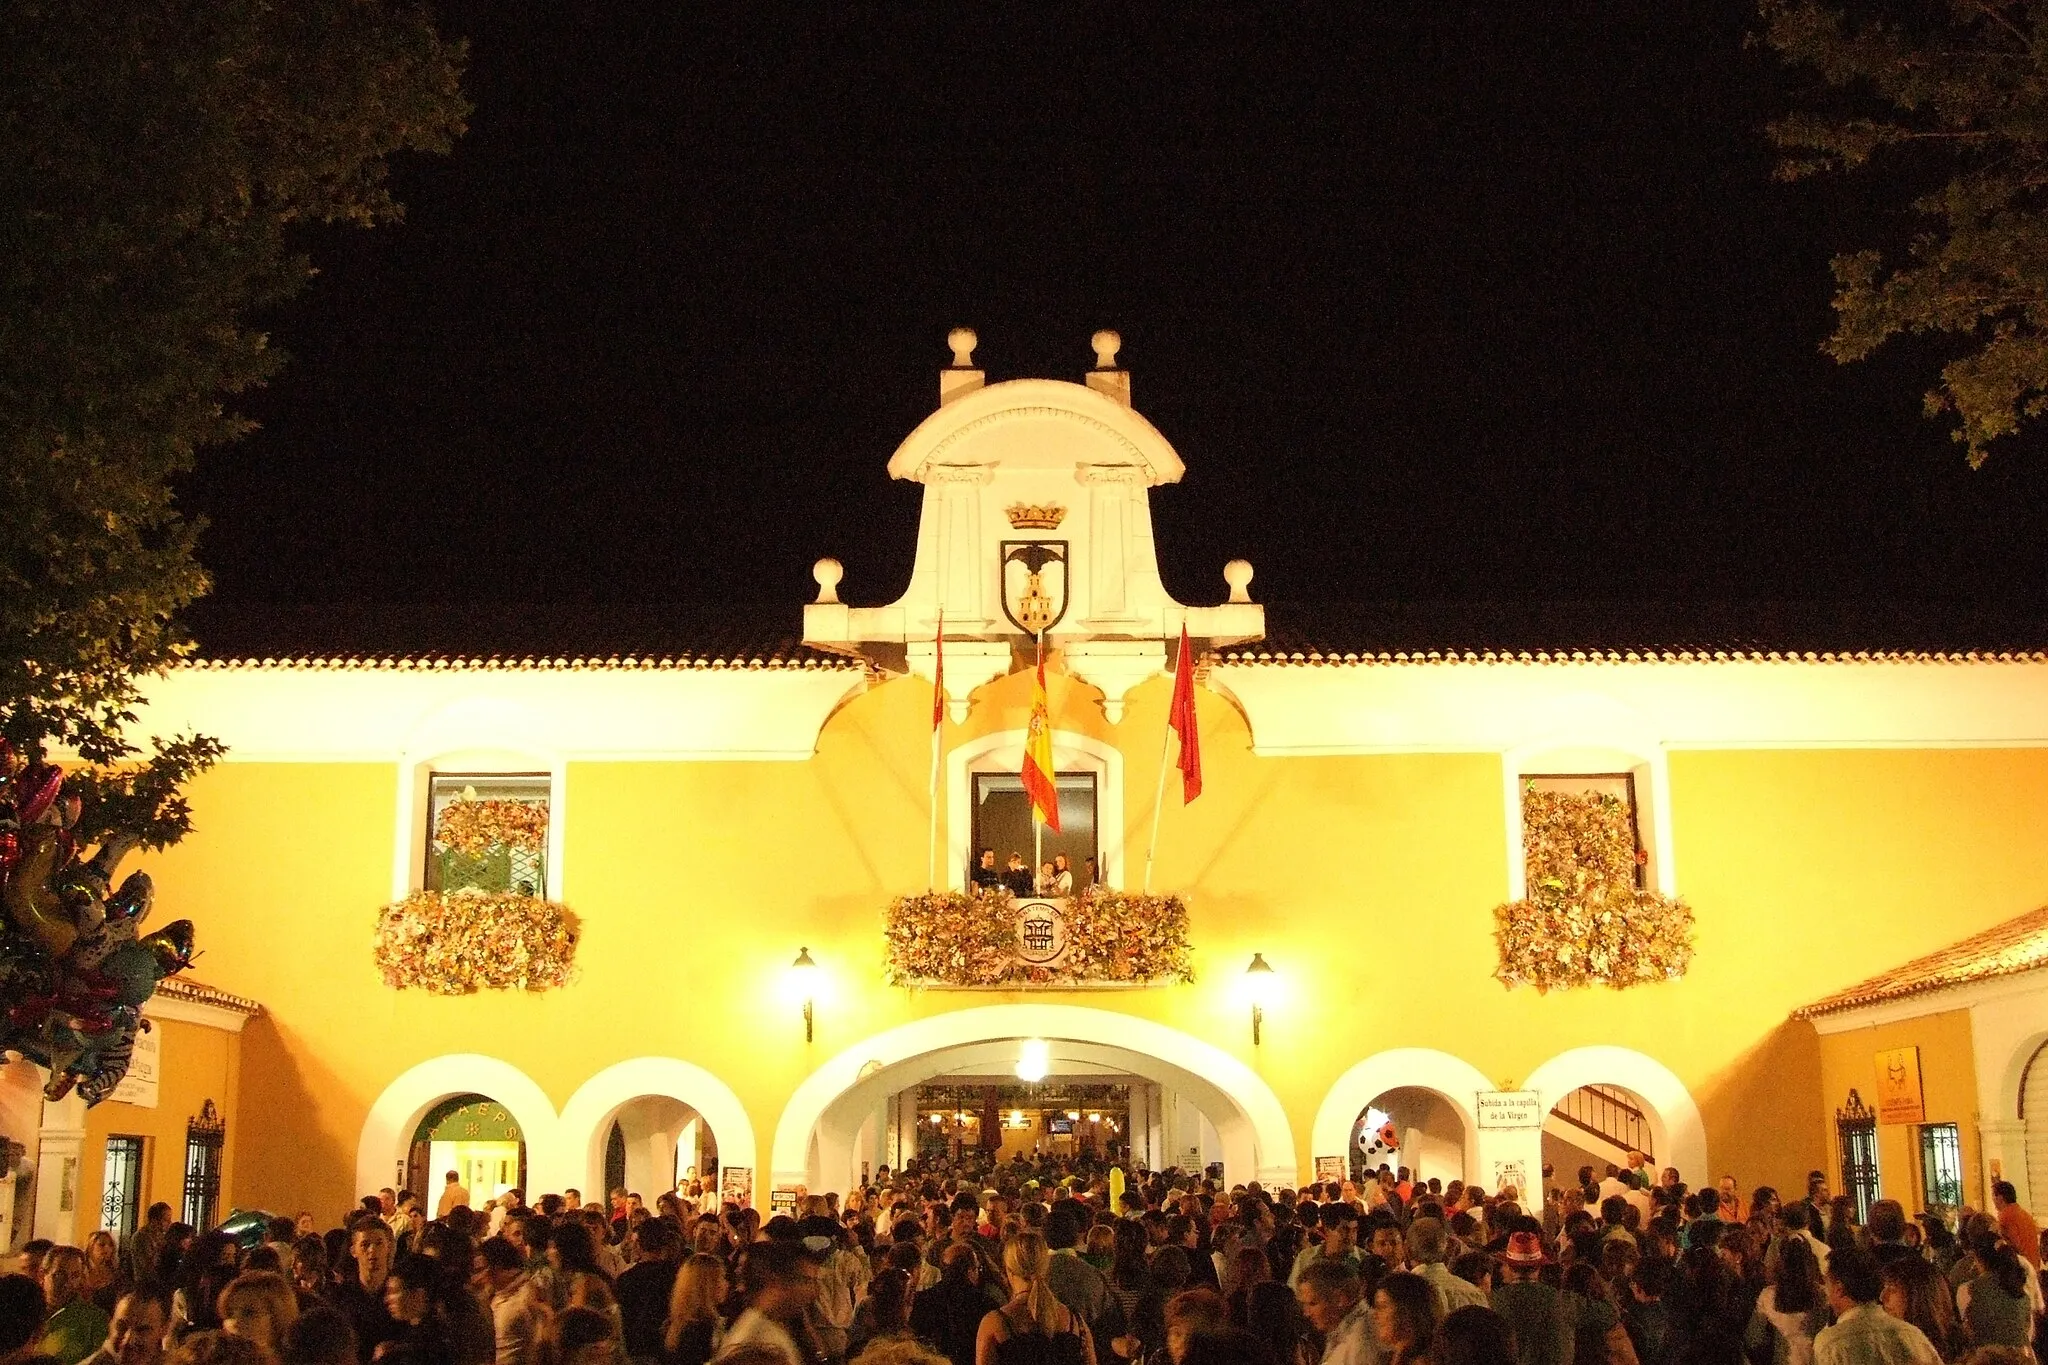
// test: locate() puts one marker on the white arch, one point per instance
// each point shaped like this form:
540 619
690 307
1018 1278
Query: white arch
1455 1079
586 1118
1268 1144
1676 1129
387 1130
1004 749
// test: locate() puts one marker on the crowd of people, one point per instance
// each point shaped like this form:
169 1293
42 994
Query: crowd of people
1048 1263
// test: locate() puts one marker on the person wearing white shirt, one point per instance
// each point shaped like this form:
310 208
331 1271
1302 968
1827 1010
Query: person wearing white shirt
1864 1334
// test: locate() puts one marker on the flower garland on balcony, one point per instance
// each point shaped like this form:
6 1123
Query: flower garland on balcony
461 942
969 938
1584 921
473 827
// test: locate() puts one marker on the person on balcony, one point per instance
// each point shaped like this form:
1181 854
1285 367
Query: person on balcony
986 874
1017 877
1062 875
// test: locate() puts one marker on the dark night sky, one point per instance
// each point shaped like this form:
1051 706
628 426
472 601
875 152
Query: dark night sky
1453 301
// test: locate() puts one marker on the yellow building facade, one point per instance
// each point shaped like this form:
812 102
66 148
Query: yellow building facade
710 814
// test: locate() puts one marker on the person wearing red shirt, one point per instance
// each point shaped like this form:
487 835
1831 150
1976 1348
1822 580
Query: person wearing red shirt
2015 1224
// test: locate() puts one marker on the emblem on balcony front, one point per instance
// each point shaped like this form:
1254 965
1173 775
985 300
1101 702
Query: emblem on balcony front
1034 583
1041 932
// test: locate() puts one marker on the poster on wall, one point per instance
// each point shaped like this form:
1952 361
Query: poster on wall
782 1199
1506 1173
1329 1168
145 1064
736 1186
1899 1098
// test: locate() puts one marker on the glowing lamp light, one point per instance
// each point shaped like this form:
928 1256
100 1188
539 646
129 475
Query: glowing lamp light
1259 982
1095 1118
1074 1114
803 981
1034 1059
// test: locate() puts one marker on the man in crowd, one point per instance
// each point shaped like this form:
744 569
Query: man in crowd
781 1285
1535 1312
515 1317
2015 1224
644 1289
1428 1243
1332 1299
361 1298
147 1241
1864 1334
453 1195
21 1318
135 1334
1340 1239
1887 1229
76 1326
949 1313
1074 1282
964 1230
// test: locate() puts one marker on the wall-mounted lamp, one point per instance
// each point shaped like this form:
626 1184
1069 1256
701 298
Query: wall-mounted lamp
1034 1059
803 975
1258 986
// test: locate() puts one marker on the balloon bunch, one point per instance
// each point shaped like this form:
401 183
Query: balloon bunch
74 966
1383 1139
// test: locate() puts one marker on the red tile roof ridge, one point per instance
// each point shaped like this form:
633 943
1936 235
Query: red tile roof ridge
2018 945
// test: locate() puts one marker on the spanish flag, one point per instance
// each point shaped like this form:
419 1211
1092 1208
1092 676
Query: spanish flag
1038 772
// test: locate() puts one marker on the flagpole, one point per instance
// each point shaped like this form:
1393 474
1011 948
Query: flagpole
938 732
1158 795
1037 822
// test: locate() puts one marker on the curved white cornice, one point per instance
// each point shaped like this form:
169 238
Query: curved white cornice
969 431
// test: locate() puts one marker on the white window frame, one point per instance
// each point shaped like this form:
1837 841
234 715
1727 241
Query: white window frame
1003 751
415 776
1563 756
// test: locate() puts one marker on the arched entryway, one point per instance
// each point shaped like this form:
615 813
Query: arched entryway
452 1085
1428 1095
839 1114
1625 1081
473 1138
666 1111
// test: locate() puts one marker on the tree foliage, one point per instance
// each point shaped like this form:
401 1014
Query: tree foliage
1952 104
155 159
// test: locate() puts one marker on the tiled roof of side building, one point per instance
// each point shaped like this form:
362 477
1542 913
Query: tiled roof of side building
503 636
2018 945
199 993
1369 633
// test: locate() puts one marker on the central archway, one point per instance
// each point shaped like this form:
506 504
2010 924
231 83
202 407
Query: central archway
814 1141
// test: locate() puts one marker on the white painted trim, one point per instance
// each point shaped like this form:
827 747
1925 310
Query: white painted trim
1620 745
1449 1077
1269 1138
174 1010
1676 1129
387 1130
587 1118
415 774
1003 751
1967 996
1728 704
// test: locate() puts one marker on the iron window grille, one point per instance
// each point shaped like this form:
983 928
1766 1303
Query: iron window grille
501 869
1856 1132
121 1187
1941 1166
205 1138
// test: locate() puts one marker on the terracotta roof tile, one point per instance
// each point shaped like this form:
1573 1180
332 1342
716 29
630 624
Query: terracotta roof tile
2018 945
199 993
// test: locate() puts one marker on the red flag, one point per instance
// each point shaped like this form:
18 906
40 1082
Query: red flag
939 672
1182 718
1037 772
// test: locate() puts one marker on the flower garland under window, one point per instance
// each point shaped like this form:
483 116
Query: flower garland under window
969 938
460 942
1584 921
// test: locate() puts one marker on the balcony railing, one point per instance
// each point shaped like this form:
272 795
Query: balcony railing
1609 1115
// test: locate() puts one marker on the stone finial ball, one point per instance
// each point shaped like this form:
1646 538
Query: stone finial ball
1238 574
1106 344
963 342
827 573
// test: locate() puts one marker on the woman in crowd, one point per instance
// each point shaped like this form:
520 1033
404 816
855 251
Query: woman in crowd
1993 1304
1791 1310
261 1306
209 1264
1404 1317
1597 1334
582 1336
1915 1292
1032 1311
695 1329
884 1312
1274 1320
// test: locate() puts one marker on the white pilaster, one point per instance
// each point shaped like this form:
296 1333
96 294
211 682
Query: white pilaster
60 1150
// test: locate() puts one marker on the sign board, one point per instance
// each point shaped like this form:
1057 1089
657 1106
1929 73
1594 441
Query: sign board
736 1185
782 1199
1329 1168
145 1066
1510 1109
1899 1098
